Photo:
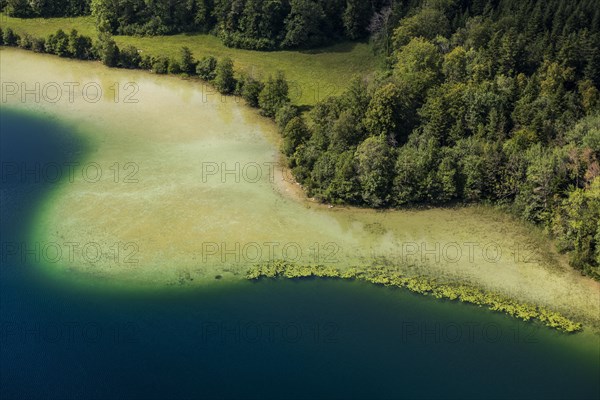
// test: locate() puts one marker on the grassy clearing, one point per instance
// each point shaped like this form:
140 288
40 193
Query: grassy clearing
42 27
313 74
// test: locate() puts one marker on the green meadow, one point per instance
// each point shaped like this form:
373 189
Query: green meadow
313 74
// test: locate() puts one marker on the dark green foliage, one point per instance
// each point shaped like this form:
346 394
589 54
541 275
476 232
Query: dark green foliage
38 45
58 44
107 50
303 24
384 114
416 172
274 95
54 8
129 57
427 23
249 88
375 167
25 41
187 62
174 67
285 114
80 46
224 80
344 187
294 134
497 101
10 38
134 17
488 100
206 68
146 62
160 65
576 223
18 8
249 24
356 18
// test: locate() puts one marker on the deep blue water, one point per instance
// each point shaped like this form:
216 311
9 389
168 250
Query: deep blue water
63 338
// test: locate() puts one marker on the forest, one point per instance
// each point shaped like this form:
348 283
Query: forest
492 101
496 103
249 24
45 8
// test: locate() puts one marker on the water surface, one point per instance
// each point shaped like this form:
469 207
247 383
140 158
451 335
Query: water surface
74 329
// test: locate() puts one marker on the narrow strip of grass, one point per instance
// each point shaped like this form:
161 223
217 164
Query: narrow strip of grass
420 285
313 75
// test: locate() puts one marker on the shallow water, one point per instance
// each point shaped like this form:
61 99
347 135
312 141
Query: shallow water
80 327
178 185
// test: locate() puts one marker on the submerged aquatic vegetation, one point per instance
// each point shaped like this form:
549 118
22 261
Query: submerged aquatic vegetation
421 285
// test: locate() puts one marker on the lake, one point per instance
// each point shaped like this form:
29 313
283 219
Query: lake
127 225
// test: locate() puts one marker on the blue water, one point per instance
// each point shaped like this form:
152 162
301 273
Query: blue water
64 338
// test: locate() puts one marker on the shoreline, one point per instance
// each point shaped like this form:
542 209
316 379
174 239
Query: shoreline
363 227
422 286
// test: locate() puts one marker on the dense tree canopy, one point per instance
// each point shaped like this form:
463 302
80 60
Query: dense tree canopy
46 8
252 24
482 101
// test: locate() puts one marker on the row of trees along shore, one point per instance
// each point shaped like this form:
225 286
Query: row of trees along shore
272 96
492 101
250 24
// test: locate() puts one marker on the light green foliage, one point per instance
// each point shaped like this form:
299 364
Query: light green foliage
421 285
576 223
454 66
385 115
428 23
418 64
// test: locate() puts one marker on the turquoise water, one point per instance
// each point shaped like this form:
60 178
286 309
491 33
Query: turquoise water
74 337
